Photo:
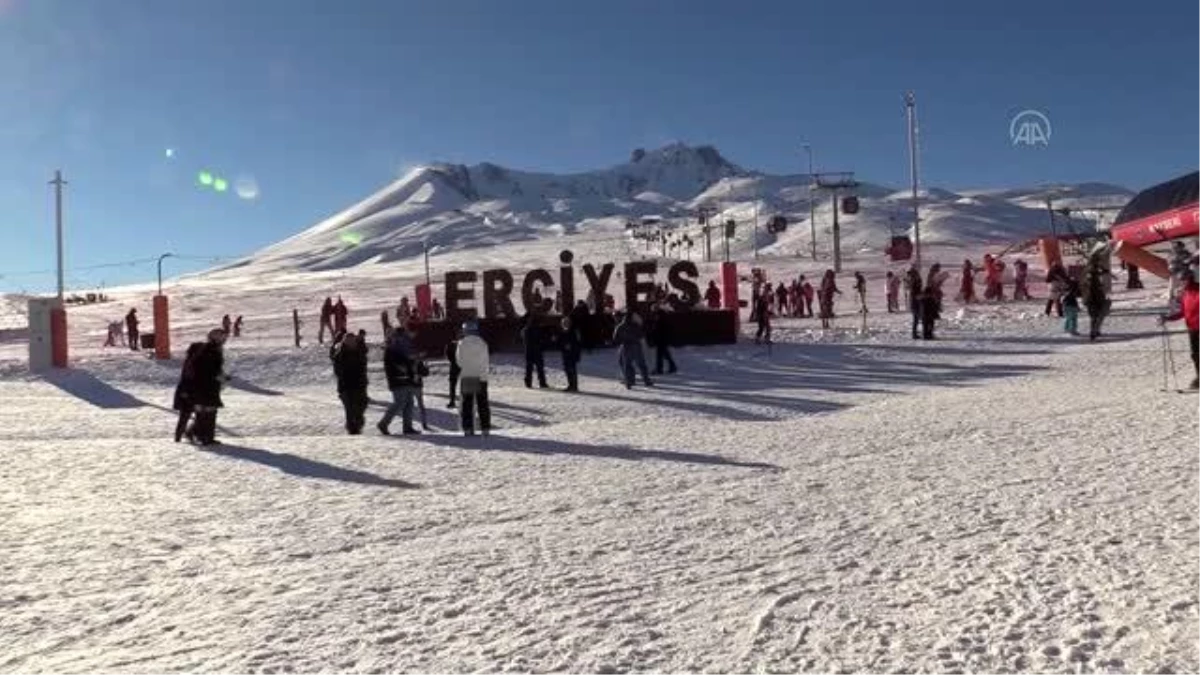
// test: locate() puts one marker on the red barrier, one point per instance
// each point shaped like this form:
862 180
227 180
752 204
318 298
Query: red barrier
424 301
162 328
729 292
58 337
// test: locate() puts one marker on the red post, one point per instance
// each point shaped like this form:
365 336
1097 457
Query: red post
58 337
162 328
729 292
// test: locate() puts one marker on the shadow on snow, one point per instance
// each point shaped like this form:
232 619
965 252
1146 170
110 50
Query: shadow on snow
305 468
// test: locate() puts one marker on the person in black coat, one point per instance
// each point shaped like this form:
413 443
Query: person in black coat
401 370
455 371
660 333
208 374
916 299
183 390
568 343
581 323
350 367
531 335
762 315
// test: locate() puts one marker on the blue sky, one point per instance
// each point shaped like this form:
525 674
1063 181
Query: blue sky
320 103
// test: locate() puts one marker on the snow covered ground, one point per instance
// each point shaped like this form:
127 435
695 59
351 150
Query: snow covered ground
1004 499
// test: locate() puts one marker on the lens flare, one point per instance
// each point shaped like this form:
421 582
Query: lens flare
351 238
170 152
246 187
205 178
220 185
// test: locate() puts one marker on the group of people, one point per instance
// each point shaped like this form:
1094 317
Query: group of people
132 336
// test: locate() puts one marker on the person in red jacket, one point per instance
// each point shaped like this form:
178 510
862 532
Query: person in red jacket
1189 311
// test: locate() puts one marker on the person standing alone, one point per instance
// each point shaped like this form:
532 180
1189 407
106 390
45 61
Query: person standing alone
474 361
350 367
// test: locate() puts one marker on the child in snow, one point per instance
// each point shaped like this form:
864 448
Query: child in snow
1070 307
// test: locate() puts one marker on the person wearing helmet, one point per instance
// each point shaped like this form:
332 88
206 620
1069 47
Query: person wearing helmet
208 375
1189 311
473 363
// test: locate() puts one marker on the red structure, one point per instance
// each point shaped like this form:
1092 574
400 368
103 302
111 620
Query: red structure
729 290
58 337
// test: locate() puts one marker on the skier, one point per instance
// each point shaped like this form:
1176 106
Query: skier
762 316
534 341
932 300
474 361
131 329
1021 280
1189 311
1058 279
183 391
1069 304
825 297
237 326
326 318
451 353
966 288
349 359
892 288
806 291
1094 297
568 343
713 296
660 333
227 324
916 298
208 375
628 338
860 287
401 371
339 315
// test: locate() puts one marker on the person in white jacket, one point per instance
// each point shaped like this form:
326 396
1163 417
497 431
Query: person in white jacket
473 360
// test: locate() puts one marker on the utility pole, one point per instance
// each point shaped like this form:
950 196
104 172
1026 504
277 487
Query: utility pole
812 205
425 250
58 184
756 230
835 182
910 105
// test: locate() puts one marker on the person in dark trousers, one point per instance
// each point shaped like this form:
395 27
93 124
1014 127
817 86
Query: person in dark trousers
350 367
762 315
451 353
1058 279
475 361
712 296
1189 311
568 343
419 392
401 371
806 296
1095 299
326 320
931 304
340 313
183 390
237 326
581 321
227 324
533 338
385 321
916 299
628 337
660 332
208 373
131 329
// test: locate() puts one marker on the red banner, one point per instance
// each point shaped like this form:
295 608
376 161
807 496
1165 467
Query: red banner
1181 222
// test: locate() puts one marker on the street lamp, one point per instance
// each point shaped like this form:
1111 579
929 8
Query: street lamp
160 259
812 207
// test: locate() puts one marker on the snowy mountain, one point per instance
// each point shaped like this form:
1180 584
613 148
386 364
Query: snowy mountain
456 208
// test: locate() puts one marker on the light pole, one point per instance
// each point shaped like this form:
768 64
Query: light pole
812 205
160 259
58 184
910 105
